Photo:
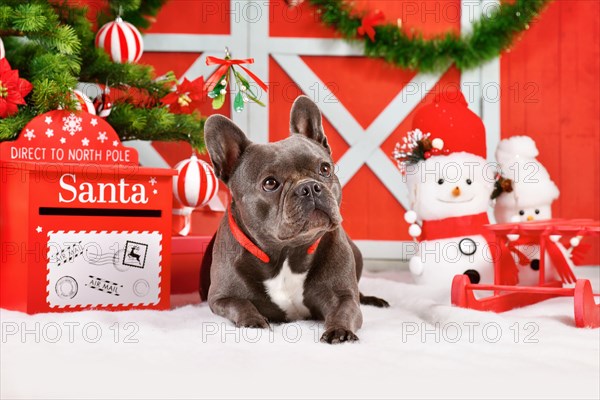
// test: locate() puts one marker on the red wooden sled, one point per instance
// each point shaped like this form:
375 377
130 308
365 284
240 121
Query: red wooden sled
508 296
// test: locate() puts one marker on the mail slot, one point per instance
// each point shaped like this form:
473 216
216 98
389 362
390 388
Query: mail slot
83 226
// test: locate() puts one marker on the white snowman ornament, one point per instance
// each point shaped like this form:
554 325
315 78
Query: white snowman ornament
524 192
530 194
449 195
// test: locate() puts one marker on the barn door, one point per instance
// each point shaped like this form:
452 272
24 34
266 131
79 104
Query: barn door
367 104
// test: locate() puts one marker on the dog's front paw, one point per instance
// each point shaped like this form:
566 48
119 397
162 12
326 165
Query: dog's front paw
254 321
338 335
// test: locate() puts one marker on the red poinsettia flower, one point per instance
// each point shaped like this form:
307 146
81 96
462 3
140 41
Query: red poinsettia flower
186 97
12 89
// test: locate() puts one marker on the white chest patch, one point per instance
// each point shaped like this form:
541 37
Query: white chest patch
287 291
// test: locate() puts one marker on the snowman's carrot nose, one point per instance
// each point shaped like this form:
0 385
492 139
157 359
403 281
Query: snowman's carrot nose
530 218
456 192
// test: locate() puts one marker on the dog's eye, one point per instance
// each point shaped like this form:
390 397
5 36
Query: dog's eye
521 212
537 211
270 184
440 181
325 170
469 181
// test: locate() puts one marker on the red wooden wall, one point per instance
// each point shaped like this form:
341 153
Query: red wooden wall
550 83
550 90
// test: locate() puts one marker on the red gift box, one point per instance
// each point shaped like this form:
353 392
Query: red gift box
83 226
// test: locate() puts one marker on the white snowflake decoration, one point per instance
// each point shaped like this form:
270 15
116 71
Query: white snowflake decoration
72 124
404 150
49 132
29 134
102 136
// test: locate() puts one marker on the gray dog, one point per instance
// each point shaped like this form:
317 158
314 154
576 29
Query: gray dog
280 253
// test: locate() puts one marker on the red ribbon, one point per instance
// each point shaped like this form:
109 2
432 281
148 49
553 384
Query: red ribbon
224 65
368 22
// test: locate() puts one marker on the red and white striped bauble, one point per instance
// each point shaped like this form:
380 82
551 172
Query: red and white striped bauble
195 183
84 103
121 41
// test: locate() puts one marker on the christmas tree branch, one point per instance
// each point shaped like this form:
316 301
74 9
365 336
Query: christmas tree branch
138 123
52 46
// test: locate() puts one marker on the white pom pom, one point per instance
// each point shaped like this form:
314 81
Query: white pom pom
512 237
437 143
574 241
224 82
415 265
414 230
410 216
554 238
223 91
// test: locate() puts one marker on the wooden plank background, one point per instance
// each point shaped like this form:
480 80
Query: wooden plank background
550 90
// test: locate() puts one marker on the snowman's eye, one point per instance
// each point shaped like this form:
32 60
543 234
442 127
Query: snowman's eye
537 211
469 181
440 181
521 212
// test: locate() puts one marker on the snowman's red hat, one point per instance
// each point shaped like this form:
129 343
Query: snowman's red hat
448 117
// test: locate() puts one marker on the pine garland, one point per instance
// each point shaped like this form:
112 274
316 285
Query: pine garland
52 46
490 36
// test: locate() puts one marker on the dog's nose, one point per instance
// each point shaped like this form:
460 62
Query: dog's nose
309 189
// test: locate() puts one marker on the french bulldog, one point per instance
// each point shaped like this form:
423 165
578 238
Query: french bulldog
280 253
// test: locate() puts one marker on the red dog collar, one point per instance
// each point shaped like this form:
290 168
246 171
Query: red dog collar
247 244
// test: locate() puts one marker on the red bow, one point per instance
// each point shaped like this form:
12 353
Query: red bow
368 22
224 65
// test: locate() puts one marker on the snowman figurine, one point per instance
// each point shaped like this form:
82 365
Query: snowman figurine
449 196
449 185
524 192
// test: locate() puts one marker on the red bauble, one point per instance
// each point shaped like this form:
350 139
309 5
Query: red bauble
121 41
195 183
427 155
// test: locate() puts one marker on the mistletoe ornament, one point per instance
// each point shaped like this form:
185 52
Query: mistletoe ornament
222 79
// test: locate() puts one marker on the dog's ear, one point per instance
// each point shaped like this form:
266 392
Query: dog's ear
305 119
225 143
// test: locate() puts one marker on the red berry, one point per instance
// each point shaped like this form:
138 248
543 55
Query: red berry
435 151
446 151
427 155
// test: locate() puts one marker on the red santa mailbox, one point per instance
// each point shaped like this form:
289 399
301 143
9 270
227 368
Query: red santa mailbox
83 226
